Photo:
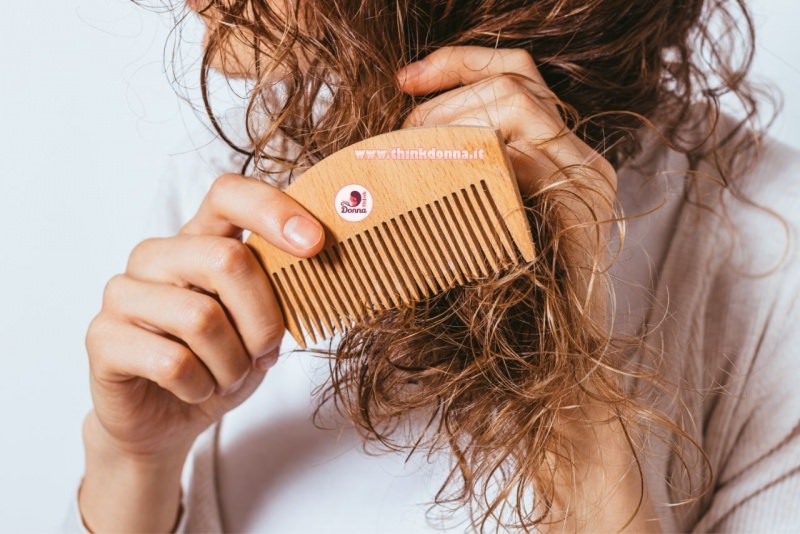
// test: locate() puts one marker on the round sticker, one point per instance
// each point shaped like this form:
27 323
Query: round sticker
353 203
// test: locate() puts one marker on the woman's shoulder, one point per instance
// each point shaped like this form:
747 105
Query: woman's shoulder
750 342
771 177
719 254
736 209
759 219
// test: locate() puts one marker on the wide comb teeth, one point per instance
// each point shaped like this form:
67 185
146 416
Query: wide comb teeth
328 304
405 256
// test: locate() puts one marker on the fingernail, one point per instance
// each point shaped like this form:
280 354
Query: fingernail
265 363
233 388
412 70
302 232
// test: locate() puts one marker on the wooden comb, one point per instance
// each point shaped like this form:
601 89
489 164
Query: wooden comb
407 215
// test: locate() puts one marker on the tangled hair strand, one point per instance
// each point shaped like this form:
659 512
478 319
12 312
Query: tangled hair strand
484 371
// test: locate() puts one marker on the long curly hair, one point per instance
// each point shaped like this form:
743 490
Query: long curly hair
491 366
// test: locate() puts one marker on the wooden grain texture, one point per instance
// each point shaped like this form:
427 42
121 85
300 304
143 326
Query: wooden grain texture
435 223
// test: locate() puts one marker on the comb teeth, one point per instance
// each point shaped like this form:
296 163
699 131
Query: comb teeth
452 241
432 225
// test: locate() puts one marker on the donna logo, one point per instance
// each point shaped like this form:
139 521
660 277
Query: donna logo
353 203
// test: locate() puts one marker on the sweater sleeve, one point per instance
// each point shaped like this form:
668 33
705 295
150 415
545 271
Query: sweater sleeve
74 523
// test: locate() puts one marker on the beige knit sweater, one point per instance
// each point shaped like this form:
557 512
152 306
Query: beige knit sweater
716 291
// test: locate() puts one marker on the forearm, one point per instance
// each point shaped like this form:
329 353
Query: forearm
120 493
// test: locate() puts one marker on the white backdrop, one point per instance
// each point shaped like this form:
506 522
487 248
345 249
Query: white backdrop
87 119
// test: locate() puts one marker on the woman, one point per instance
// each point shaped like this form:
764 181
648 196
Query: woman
636 379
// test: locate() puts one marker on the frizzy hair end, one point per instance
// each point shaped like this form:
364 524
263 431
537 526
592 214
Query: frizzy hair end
490 367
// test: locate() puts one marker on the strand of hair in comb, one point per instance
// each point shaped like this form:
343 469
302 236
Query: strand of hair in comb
407 215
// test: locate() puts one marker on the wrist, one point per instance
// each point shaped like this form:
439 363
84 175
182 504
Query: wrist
101 445
125 491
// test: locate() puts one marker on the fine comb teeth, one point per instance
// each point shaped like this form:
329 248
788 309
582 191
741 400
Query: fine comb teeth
438 207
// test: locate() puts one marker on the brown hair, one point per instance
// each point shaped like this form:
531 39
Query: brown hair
489 366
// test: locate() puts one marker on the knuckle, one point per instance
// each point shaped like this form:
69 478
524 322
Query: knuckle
520 61
222 184
520 57
448 60
141 252
230 257
101 344
201 315
507 84
415 118
114 290
528 103
441 56
173 366
604 167
98 330
605 171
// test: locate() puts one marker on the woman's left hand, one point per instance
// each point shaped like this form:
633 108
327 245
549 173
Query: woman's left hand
503 89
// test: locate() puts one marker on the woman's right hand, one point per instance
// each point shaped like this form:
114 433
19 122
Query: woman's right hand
187 332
